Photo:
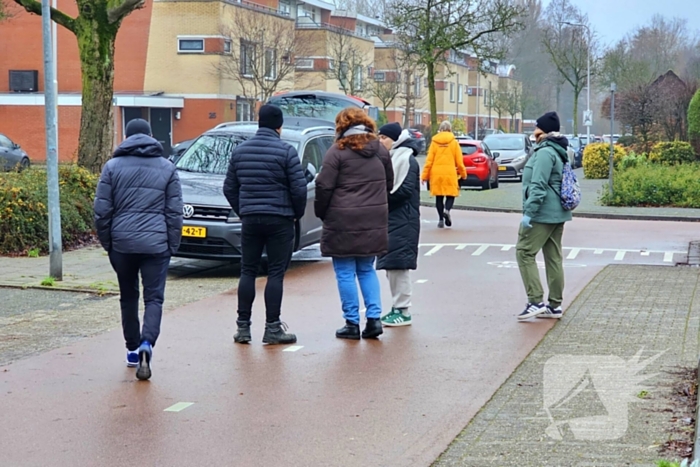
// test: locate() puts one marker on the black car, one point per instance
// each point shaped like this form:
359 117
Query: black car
211 229
12 157
420 137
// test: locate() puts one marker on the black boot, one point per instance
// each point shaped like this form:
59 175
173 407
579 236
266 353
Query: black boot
373 329
276 333
349 331
242 336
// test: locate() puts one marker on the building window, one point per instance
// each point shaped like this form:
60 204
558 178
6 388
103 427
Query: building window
190 45
270 64
460 94
244 110
357 77
379 76
227 46
452 92
247 58
285 8
304 63
417 87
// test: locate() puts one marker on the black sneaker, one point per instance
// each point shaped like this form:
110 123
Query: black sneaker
242 336
532 310
143 370
448 219
441 224
276 334
373 328
551 313
349 331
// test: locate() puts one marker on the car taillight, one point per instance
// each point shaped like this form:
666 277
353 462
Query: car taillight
479 159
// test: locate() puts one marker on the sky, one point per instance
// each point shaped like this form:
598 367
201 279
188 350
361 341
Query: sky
613 19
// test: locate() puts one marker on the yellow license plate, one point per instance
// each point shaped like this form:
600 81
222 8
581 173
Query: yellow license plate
502 168
197 232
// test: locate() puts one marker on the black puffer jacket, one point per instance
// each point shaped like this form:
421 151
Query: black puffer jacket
138 205
265 178
404 216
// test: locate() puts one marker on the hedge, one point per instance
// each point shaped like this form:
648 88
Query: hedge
694 122
24 213
656 185
596 159
672 153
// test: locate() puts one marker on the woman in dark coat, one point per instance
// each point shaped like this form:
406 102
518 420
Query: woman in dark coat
352 201
404 221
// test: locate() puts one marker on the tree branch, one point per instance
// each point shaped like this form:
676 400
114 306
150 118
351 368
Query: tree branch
32 6
119 12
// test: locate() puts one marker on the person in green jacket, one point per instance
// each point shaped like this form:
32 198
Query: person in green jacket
543 220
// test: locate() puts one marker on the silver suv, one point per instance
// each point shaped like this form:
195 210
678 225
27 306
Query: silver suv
511 151
211 229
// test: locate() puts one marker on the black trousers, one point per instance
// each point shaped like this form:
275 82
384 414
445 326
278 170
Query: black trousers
443 205
275 235
154 272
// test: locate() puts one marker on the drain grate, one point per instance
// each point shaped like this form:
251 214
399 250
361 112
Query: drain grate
693 254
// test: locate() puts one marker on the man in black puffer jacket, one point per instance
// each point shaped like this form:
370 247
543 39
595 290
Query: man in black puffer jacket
267 189
138 218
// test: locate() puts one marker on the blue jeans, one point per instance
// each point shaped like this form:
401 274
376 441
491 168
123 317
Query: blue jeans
346 272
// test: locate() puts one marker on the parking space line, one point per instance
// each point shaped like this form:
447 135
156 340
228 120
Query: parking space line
293 348
421 281
179 407
573 253
668 257
646 253
597 252
480 250
506 247
461 247
620 255
434 250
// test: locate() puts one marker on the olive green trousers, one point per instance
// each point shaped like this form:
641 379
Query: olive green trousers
547 238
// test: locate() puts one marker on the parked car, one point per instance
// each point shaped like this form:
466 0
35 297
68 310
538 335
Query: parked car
12 157
511 150
420 137
211 229
482 168
179 149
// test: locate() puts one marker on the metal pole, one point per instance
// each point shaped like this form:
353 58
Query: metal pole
490 106
612 145
588 85
458 95
55 247
478 98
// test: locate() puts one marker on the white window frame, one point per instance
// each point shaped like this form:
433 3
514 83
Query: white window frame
246 46
304 64
228 46
285 7
452 92
379 76
180 40
273 69
460 94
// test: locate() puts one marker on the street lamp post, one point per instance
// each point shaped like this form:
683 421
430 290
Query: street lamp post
611 162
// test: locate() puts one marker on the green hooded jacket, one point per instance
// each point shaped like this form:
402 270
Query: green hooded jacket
542 177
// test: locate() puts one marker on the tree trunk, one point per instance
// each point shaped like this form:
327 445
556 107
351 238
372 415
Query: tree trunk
433 98
409 99
96 37
575 128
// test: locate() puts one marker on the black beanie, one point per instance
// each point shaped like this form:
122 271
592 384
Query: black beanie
549 122
270 116
138 126
391 131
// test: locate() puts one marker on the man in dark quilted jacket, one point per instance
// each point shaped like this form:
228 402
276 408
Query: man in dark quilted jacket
266 187
138 218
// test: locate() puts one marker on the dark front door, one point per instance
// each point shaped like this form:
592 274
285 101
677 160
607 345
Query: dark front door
161 125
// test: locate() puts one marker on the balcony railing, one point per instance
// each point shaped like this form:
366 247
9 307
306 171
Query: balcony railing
258 7
305 22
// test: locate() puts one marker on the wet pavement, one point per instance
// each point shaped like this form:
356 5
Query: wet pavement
399 400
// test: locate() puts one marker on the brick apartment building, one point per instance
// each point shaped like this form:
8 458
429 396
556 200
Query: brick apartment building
170 64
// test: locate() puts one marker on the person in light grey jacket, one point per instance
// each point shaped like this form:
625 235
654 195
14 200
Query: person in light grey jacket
138 218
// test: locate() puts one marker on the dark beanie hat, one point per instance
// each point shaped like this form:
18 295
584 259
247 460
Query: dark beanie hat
270 116
549 122
391 131
138 126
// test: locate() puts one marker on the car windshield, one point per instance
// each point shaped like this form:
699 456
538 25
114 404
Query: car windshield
324 108
468 149
574 143
505 143
210 154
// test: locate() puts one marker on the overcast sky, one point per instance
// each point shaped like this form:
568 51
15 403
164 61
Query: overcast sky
613 19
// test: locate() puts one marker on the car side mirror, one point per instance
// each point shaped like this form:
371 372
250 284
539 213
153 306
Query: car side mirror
16 146
310 173
496 155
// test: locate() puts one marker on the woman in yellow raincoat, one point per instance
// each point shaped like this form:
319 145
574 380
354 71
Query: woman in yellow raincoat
444 167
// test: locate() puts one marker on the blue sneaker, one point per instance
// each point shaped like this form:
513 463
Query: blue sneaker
132 358
532 310
143 372
552 313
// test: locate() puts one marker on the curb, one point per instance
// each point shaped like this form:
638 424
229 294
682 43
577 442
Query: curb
583 215
60 289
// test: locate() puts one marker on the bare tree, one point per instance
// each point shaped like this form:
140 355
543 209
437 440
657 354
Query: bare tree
262 55
430 29
499 100
514 105
348 63
567 39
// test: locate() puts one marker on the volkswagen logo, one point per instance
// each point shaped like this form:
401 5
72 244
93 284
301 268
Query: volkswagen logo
187 211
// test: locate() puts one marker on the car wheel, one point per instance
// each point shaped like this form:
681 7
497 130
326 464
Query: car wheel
487 184
24 164
495 183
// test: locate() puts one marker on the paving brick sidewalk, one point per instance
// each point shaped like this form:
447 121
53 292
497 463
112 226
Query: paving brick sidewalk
624 310
508 198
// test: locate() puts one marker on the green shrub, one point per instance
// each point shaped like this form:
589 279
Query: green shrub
627 140
632 159
596 158
24 212
694 122
672 152
656 185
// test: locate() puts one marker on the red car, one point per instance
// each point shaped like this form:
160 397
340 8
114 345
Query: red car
482 169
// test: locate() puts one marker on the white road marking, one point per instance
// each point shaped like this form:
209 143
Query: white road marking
507 247
434 250
480 250
620 255
293 348
179 407
668 257
461 247
646 253
597 252
421 281
573 253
